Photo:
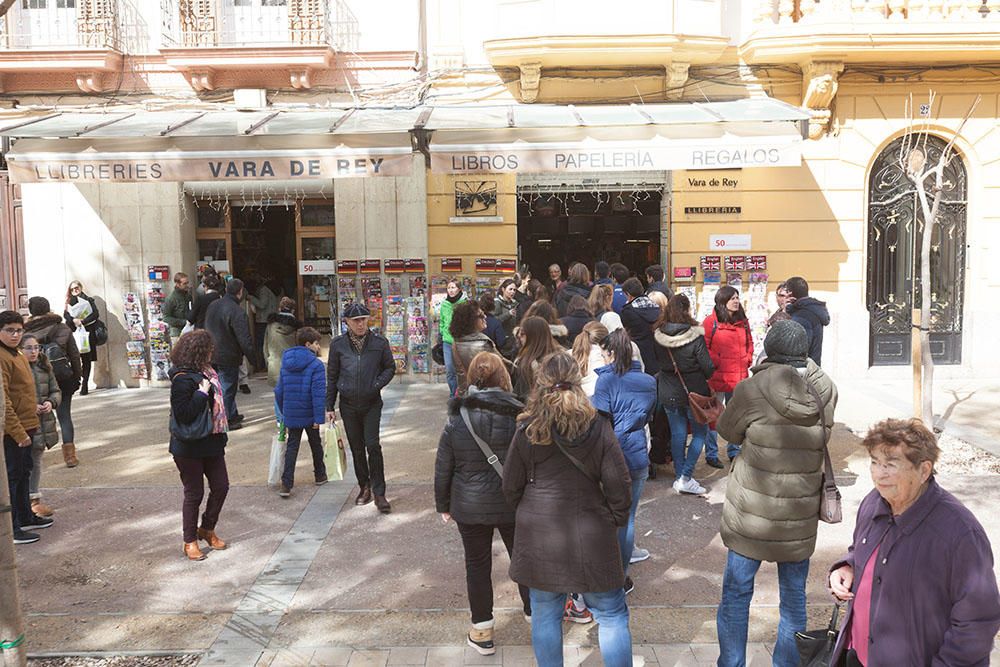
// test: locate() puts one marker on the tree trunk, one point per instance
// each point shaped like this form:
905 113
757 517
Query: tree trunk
11 621
927 360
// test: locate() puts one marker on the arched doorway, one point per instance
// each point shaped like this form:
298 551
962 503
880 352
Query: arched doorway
895 231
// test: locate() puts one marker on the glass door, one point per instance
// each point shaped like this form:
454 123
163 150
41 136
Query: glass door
251 21
46 23
316 243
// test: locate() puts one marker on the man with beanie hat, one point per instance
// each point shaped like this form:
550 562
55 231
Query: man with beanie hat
227 322
773 491
360 365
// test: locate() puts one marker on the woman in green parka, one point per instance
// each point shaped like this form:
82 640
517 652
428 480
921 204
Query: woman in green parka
455 297
47 435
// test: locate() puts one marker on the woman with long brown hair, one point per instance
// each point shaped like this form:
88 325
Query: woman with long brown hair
567 478
81 313
588 354
196 404
536 343
600 300
547 312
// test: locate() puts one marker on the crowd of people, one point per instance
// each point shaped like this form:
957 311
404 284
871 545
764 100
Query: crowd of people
567 396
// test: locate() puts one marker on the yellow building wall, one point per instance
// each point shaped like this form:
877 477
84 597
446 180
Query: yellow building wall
469 240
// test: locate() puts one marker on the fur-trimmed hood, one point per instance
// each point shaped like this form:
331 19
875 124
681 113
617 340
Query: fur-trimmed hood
672 335
492 400
558 330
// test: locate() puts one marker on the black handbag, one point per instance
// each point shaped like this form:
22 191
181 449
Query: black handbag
100 333
200 428
816 646
437 353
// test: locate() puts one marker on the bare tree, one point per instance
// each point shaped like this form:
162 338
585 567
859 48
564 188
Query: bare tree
5 6
928 180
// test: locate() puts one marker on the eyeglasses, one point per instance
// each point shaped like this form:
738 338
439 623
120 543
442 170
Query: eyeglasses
12 332
31 348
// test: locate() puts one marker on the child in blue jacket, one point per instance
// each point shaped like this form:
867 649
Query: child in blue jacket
301 397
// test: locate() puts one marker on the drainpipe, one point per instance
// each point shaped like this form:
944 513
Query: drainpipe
422 37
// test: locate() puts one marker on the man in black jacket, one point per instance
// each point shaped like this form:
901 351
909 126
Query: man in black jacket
360 365
226 320
811 313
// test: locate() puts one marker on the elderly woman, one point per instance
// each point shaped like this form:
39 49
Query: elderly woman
919 575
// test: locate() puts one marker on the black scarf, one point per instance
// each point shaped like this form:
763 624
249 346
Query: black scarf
454 299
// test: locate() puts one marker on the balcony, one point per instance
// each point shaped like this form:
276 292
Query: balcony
84 37
205 38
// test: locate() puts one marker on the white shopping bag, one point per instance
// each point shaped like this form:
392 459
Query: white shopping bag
277 463
82 338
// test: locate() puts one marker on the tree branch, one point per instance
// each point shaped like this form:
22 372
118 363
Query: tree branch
5 6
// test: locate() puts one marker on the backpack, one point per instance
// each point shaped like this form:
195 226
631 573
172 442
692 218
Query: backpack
61 367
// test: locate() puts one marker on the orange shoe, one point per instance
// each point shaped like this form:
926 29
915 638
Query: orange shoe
192 551
40 508
213 540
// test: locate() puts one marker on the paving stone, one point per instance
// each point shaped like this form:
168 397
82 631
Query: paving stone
369 659
674 655
647 652
408 655
705 652
332 657
472 657
230 658
448 656
293 657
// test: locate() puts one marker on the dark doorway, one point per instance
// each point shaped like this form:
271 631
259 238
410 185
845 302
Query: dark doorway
264 247
895 232
566 227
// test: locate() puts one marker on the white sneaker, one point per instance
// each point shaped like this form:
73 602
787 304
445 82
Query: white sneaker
678 483
692 487
638 555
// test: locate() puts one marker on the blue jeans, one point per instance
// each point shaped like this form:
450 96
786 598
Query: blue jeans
626 534
449 367
712 441
609 610
679 419
229 378
733 617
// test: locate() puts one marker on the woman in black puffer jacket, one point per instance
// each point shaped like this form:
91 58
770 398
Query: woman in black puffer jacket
467 488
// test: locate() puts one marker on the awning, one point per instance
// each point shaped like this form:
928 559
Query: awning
543 138
288 145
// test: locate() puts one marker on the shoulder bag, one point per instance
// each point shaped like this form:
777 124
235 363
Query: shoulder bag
706 409
200 428
830 509
491 457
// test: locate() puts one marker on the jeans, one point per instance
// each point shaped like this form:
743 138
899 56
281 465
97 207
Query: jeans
609 610
478 542
626 534
192 472
449 367
64 414
712 441
18 461
733 617
229 378
680 419
361 424
292 453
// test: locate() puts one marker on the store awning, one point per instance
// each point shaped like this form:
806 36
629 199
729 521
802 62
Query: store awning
544 138
288 145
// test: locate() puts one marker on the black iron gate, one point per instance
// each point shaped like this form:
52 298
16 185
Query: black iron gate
895 231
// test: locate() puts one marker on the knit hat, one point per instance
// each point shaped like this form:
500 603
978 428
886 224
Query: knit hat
354 310
787 343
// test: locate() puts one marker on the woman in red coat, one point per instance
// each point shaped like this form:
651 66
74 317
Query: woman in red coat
730 345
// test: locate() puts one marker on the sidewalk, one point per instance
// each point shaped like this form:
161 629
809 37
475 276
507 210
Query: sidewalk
315 580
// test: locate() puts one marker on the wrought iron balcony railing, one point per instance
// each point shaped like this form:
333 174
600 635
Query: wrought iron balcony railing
66 24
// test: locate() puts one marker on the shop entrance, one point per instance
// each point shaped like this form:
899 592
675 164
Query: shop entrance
563 225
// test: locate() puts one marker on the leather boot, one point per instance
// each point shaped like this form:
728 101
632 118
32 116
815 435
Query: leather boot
69 455
39 508
364 496
382 504
192 551
213 540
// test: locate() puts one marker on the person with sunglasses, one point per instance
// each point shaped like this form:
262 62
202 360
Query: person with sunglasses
468 331
20 424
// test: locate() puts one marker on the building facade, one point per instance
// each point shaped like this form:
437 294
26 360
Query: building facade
477 74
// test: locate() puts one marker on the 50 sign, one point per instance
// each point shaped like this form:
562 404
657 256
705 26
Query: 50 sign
729 242
317 267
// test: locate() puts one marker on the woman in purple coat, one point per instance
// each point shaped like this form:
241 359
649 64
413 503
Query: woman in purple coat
919 576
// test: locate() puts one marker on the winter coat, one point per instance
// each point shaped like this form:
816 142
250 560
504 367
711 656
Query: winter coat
567 537
46 389
594 361
772 497
561 334
187 403
687 345
731 349
265 304
659 286
566 294
444 321
618 299
523 304
574 323
464 350
494 330
50 328
301 390
629 400
813 315
278 337
89 322
227 322
639 317
200 308
934 596
358 377
506 313
465 484
175 310
19 394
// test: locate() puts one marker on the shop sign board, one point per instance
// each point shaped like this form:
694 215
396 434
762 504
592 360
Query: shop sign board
726 242
395 265
317 267
347 266
684 273
158 272
371 266
451 264
43 167
652 155
415 266
713 210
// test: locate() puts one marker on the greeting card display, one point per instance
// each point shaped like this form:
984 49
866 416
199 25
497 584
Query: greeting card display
372 288
159 332
394 286
347 293
735 280
418 286
135 353
417 334
706 303
736 263
395 330
755 303
134 321
483 285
